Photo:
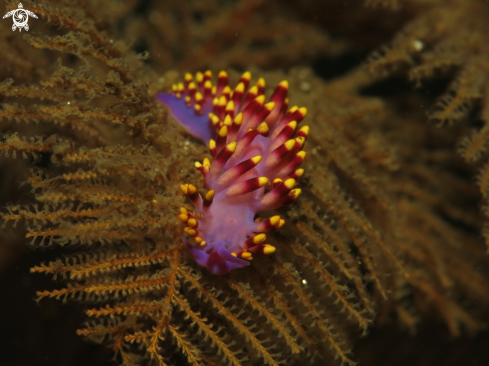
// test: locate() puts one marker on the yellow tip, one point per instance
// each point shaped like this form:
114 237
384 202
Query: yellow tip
262 181
263 128
226 90
188 99
284 84
227 120
230 106
303 111
192 189
222 101
197 107
253 90
281 223
214 118
188 77
289 144
223 132
299 172
208 84
209 196
300 140
222 74
260 99
239 88
246 255
198 239
191 232
256 159
234 254
192 86
290 183
231 146
199 77
305 129
270 105
268 249
246 75
183 210
198 97
238 119
206 163
197 164
260 238
192 222
212 144
208 73
277 180
274 220
215 101
292 124
295 193
213 90
182 217
260 83
293 109
184 189
203 242
301 154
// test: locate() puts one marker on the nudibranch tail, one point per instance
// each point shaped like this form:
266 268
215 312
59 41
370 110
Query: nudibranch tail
257 152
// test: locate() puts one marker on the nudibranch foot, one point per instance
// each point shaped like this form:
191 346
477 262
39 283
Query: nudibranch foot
216 258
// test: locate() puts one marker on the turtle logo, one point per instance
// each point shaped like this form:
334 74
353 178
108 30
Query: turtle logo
20 17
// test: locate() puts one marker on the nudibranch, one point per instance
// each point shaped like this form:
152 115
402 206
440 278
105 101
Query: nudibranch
257 152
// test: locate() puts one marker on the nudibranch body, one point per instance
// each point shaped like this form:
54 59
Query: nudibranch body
256 150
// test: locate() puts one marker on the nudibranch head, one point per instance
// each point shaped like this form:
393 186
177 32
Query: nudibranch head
257 153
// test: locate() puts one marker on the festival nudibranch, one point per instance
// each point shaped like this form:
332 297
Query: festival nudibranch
256 151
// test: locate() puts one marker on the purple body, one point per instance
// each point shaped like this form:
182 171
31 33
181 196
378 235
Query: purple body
256 151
